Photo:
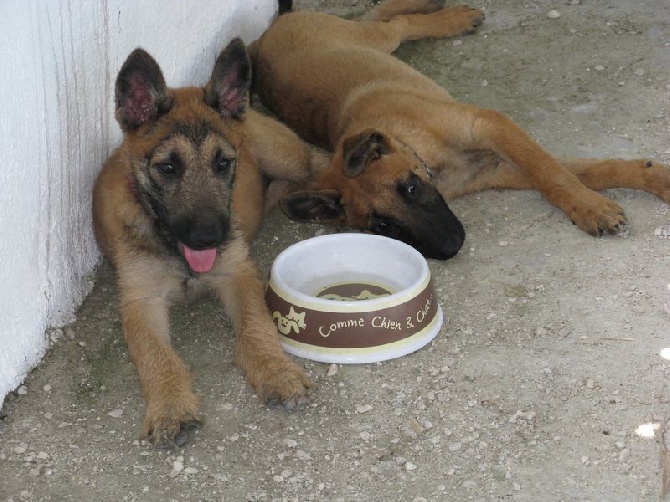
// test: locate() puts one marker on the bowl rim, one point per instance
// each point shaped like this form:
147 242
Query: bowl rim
291 295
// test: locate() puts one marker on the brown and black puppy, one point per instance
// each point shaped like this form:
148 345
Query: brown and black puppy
173 209
399 140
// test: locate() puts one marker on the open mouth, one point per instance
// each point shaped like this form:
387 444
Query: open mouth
200 260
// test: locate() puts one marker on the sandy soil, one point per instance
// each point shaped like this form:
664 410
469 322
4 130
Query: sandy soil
545 383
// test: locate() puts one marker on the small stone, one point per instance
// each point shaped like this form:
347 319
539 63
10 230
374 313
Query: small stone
291 443
453 447
585 459
190 470
22 391
116 413
21 448
553 14
303 455
541 331
278 479
409 466
364 408
503 244
365 436
457 43
332 370
47 388
178 466
599 67
589 383
639 72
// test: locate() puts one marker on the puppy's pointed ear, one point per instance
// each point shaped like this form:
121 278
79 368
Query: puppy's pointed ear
313 206
228 87
140 93
361 149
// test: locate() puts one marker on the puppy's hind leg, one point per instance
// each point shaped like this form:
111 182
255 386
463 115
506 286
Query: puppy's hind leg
387 36
386 10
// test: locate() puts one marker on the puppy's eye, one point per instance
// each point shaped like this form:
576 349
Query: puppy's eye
411 188
222 165
380 226
167 169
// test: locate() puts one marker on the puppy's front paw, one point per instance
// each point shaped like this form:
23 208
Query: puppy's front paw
597 215
278 381
468 17
173 421
288 387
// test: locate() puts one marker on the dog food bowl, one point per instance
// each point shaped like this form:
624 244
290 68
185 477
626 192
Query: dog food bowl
352 298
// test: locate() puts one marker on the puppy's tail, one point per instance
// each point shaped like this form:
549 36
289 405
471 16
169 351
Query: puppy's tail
284 6
385 11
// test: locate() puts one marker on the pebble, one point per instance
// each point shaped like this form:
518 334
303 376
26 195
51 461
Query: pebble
365 436
599 67
116 413
589 383
453 447
503 244
291 443
553 14
409 466
364 408
22 391
662 232
21 448
303 455
639 72
178 466
332 370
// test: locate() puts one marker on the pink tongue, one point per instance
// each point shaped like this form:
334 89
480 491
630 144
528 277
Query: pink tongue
199 261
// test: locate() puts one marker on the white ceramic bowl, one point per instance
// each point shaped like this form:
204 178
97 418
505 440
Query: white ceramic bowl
352 298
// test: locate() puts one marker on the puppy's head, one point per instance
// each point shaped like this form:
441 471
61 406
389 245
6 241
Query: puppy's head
184 149
377 184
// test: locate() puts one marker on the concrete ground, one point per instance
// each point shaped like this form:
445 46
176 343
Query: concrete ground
548 380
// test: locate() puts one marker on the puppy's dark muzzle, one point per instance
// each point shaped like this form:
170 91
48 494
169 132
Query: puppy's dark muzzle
202 233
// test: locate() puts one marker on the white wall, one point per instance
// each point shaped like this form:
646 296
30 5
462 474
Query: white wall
57 71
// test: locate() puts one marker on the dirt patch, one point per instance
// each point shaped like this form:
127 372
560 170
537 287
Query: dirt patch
545 383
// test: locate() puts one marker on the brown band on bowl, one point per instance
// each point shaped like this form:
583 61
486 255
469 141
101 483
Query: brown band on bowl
353 329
